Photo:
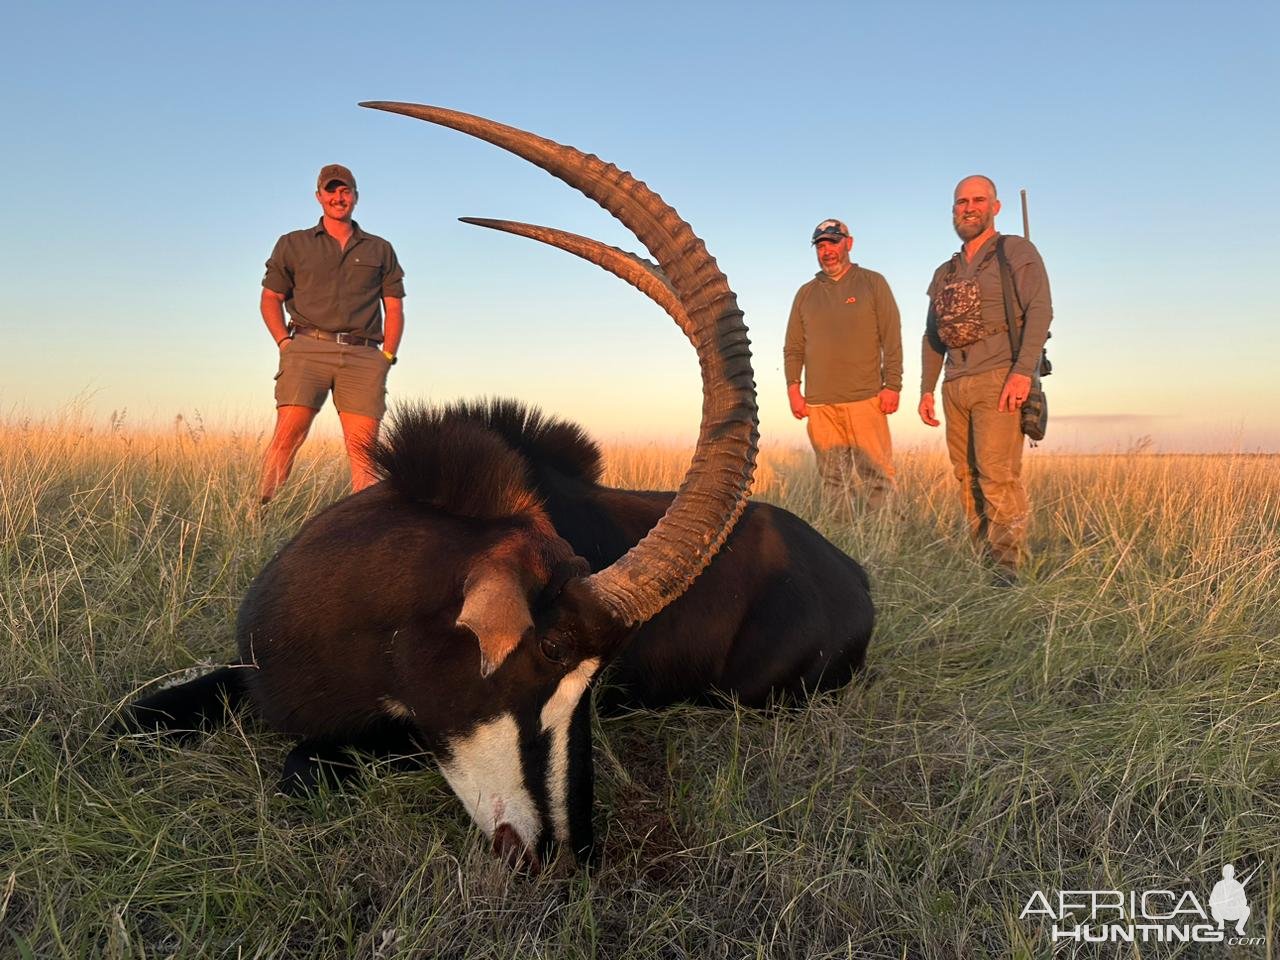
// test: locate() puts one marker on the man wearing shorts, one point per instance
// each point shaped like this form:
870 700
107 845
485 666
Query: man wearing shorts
337 282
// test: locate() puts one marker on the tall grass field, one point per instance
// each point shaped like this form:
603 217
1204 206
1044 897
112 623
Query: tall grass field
1112 724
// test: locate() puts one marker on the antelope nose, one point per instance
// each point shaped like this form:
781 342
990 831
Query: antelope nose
509 847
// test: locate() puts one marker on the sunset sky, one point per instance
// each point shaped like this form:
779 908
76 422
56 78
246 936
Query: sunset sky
155 151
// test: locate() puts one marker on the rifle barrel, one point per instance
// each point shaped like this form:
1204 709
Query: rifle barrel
1026 225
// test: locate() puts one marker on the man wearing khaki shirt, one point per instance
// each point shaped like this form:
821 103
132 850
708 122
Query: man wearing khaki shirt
337 282
844 334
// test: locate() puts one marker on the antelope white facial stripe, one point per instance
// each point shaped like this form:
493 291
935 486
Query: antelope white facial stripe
557 714
484 770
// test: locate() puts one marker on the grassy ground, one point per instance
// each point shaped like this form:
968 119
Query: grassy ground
1112 724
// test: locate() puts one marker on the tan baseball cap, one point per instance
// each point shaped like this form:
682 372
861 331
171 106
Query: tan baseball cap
335 171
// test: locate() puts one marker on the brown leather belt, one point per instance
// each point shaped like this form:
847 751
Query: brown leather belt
346 338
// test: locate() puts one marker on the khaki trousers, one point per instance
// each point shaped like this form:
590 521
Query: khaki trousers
851 440
986 452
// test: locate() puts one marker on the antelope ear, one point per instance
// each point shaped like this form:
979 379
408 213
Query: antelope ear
496 609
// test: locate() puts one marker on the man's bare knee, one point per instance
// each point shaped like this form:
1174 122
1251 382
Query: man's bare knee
293 423
360 433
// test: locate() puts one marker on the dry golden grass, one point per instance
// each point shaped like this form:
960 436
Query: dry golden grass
1112 723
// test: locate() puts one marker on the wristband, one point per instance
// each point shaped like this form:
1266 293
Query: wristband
391 358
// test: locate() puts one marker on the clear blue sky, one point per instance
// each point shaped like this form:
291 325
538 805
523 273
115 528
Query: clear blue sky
155 151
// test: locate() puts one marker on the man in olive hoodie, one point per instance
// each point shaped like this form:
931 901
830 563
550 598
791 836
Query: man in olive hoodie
846 336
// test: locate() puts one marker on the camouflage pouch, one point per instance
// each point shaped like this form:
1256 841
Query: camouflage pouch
958 308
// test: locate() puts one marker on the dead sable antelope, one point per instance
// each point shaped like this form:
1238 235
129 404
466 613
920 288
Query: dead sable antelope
446 609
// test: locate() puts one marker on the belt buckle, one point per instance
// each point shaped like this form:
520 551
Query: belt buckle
342 338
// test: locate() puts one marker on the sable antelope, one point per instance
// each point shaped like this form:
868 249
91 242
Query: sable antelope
780 611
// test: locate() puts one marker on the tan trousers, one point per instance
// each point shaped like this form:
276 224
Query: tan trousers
851 440
986 452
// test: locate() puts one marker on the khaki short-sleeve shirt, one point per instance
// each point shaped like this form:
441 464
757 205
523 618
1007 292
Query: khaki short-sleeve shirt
334 288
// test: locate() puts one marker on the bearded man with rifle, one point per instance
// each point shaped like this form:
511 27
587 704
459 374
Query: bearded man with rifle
988 320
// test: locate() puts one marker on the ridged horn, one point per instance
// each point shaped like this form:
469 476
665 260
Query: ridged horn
714 492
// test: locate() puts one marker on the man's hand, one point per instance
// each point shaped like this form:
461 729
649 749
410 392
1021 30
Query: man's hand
1016 389
926 410
888 401
799 409
271 306
392 324
285 343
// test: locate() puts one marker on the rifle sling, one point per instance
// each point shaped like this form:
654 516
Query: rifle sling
1013 316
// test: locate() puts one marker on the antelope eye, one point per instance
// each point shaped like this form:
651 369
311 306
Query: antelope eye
552 650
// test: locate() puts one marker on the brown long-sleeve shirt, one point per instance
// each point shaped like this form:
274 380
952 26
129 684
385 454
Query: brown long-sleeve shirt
1032 285
846 335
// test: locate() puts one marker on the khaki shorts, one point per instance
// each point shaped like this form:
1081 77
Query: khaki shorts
310 368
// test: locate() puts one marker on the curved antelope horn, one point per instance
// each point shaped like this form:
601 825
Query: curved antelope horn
642 274
714 492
